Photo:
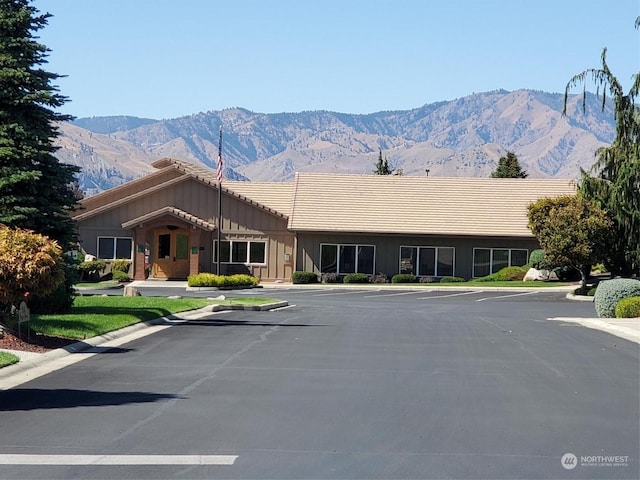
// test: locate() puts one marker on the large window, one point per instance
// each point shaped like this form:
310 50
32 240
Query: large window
487 261
241 251
427 261
344 259
111 248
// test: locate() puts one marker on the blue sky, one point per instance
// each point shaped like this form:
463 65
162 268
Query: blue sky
167 58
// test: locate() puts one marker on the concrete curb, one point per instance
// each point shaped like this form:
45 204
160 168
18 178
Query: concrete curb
579 298
630 334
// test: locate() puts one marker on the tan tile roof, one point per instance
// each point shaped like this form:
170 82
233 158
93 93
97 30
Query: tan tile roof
276 195
418 205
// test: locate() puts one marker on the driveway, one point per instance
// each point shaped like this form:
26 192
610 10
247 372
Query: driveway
341 384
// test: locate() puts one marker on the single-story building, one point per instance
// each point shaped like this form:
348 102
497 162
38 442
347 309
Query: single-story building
167 224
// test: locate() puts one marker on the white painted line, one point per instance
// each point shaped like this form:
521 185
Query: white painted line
339 293
397 294
27 459
450 295
507 296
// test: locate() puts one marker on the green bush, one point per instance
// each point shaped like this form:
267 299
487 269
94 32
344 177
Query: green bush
610 292
356 278
506 274
304 277
221 281
120 276
90 271
330 277
61 299
452 280
585 292
538 260
404 278
628 308
120 265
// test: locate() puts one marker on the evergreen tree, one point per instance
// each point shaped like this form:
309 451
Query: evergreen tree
613 182
382 167
509 167
36 191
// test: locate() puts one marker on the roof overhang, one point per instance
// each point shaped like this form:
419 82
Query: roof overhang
172 212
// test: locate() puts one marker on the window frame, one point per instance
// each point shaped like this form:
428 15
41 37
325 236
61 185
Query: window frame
233 252
339 247
491 261
436 256
115 247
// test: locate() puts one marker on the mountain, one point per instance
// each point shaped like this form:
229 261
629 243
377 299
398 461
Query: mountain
462 137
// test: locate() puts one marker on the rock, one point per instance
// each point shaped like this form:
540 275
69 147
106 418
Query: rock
534 274
130 291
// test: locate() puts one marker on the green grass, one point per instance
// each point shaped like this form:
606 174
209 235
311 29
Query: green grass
95 315
249 301
7 359
104 284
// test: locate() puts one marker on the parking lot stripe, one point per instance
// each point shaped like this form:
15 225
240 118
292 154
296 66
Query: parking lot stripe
27 459
507 296
397 294
339 293
450 295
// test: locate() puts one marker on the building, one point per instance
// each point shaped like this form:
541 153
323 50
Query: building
166 223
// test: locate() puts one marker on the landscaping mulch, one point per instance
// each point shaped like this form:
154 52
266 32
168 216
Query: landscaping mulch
34 343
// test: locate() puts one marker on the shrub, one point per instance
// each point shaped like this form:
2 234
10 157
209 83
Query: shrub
452 280
404 278
356 278
585 292
380 278
61 299
506 274
221 281
120 276
428 279
29 263
610 292
90 271
331 277
538 260
628 308
567 274
304 277
120 265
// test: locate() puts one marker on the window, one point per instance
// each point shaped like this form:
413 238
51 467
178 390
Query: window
240 251
427 261
487 261
111 248
344 259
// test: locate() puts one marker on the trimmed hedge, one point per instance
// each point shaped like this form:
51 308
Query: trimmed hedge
120 265
304 277
120 276
404 278
506 274
628 308
212 280
610 292
356 278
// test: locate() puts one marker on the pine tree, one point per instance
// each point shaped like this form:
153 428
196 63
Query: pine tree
36 191
509 167
382 167
613 182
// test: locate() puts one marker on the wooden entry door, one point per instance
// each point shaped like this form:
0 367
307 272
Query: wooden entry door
171 254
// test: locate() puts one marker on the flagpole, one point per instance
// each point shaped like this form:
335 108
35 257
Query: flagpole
219 179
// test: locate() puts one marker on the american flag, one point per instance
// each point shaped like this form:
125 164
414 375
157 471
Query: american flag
220 157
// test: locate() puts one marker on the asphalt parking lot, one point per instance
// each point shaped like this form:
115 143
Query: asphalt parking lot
358 383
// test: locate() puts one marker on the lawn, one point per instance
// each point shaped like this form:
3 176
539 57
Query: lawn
7 358
91 316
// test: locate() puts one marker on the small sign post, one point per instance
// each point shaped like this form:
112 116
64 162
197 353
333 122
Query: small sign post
24 315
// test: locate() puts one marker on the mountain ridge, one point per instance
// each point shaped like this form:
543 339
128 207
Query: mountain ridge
461 137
